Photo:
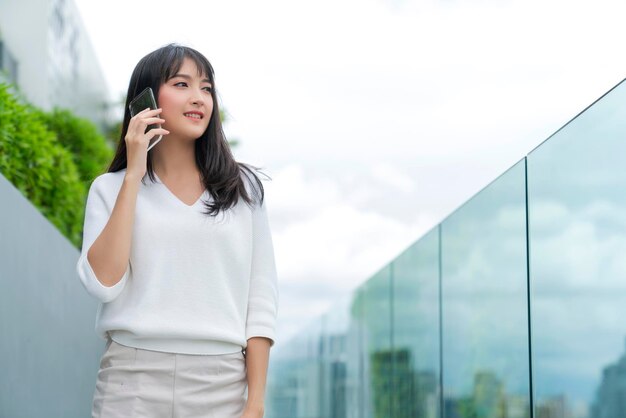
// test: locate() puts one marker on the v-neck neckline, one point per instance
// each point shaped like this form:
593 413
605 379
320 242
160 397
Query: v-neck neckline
169 192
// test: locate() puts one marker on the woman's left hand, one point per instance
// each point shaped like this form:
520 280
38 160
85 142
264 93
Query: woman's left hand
253 412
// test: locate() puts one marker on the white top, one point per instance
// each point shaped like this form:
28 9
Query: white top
195 284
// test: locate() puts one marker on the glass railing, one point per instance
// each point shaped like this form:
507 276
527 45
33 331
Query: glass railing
514 306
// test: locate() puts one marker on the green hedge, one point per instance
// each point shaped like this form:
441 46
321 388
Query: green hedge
81 137
52 159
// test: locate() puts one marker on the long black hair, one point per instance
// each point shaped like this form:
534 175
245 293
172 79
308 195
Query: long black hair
221 174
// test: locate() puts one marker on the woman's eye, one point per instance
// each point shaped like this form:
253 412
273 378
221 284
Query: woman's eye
209 89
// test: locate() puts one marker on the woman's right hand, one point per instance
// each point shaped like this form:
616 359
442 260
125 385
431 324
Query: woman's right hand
137 140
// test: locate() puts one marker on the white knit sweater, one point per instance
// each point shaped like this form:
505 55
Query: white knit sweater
194 284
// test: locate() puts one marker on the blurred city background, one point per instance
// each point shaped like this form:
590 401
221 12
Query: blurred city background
445 200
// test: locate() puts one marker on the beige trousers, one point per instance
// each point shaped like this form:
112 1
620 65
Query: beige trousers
136 383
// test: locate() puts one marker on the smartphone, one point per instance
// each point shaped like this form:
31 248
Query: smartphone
142 101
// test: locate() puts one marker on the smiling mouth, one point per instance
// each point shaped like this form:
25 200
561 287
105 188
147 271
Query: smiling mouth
193 116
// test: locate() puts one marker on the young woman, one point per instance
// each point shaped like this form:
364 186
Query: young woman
189 297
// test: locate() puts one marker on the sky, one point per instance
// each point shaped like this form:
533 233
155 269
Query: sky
374 119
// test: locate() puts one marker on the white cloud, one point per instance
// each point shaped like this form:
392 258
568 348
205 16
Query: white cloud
324 245
394 177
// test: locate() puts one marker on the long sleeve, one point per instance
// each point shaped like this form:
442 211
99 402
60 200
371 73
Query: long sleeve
96 218
263 296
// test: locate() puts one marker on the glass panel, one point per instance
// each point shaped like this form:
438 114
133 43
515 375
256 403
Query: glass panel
484 303
356 357
341 348
377 345
294 376
282 378
415 278
577 212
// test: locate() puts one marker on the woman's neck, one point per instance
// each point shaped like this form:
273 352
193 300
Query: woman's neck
174 161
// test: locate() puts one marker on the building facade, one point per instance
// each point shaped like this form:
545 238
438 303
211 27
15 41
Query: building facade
46 54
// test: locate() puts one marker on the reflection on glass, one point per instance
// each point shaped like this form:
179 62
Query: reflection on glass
282 379
484 303
294 376
356 357
609 400
376 340
577 229
319 373
415 279
340 392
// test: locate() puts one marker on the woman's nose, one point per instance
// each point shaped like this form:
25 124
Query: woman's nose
197 97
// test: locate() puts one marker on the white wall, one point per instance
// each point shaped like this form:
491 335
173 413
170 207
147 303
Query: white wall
49 348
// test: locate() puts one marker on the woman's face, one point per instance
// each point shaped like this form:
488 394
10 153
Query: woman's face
186 102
